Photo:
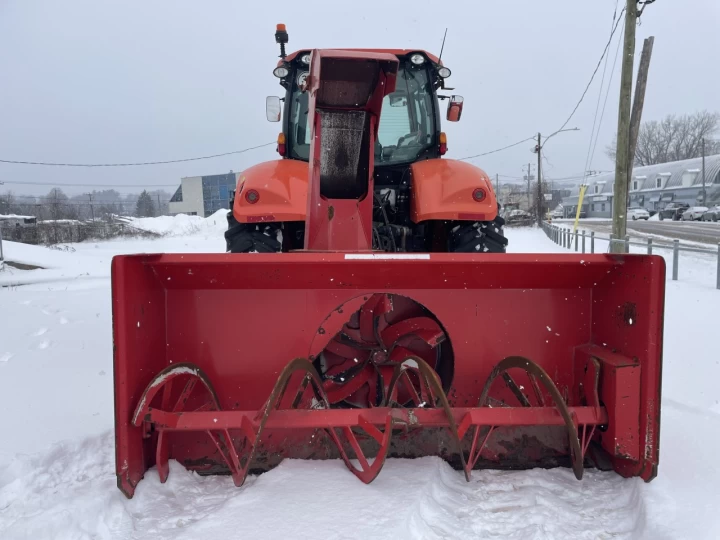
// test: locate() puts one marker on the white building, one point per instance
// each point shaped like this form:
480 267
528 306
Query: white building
203 195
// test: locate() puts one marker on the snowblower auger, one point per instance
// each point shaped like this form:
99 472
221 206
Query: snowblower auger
229 363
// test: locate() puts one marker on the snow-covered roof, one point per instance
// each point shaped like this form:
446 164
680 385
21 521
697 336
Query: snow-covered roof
671 173
15 216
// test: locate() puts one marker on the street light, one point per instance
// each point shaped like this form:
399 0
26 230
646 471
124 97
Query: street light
558 131
538 150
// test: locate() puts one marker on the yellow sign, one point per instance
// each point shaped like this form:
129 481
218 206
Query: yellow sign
583 187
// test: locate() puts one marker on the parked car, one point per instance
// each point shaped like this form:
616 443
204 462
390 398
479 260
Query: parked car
694 213
518 218
637 212
557 214
713 214
673 211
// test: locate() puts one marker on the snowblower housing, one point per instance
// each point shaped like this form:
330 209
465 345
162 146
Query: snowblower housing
231 362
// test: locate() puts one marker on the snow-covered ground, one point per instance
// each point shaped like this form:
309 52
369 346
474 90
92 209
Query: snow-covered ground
57 475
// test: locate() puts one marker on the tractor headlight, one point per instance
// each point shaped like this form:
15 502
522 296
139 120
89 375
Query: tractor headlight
417 59
281 72
444 72
305 59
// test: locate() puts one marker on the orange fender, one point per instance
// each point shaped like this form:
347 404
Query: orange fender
443 189
281 187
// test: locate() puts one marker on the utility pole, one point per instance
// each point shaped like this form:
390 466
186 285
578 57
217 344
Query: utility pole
639 101
528 179
539 204
92 209
703 169
623 158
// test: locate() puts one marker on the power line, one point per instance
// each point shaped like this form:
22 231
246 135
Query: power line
106 186
49 164
620 17
607 93
498 149
600 92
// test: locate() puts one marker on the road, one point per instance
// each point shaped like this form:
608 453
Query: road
691 231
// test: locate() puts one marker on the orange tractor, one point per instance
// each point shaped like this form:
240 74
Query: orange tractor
377 315
420 202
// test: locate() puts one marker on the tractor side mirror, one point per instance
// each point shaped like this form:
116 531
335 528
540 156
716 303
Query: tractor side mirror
273 108
454 110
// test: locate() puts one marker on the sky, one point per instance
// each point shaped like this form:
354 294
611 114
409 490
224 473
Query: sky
84 81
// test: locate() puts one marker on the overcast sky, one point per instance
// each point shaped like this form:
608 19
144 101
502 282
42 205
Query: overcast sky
98 81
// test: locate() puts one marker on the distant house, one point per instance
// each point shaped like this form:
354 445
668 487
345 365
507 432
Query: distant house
652 187
14 220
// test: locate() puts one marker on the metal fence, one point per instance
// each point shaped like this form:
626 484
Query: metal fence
583 242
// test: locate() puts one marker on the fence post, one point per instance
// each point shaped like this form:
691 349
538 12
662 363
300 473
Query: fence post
649 246
576 241
2 258
592 241
583 241
676 258
610 243
627 243
718 267
565 238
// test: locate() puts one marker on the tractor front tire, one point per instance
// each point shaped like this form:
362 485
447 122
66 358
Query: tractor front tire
252 237
479 237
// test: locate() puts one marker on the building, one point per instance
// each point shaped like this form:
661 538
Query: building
203 195
652 187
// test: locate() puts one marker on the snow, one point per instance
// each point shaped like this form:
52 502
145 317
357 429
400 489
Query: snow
57 476
15 216
179 225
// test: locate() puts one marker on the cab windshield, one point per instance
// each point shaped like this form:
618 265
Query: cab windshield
407 122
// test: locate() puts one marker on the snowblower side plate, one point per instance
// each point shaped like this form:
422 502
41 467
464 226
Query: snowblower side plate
230 363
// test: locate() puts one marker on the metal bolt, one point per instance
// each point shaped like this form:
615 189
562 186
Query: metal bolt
676 258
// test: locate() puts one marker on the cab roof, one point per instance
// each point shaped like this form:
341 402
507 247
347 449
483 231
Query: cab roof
397 52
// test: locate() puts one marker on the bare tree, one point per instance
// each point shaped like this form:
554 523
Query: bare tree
674 138
7 203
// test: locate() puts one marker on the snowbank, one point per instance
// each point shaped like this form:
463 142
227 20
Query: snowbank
180 224
91 259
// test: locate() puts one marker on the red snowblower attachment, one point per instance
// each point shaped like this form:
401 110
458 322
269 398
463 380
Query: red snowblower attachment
229 363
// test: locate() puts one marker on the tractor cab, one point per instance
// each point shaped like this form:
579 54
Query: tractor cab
410 126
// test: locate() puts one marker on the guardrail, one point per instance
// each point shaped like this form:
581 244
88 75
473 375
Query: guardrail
578 240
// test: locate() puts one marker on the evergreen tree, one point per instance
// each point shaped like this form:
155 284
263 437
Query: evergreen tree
145 206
